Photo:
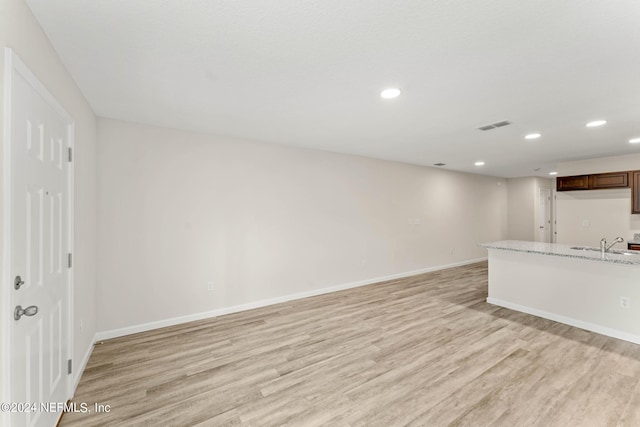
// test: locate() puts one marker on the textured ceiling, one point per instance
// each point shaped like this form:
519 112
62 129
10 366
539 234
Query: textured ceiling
309 73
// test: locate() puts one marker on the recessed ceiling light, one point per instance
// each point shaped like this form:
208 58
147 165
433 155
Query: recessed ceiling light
532 136
634 140
390 93
596 123
553 173
479 163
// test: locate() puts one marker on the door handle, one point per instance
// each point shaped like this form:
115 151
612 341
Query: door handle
18 282
32 310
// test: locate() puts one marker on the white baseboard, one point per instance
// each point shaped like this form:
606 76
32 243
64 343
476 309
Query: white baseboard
263 303
79 370
614 333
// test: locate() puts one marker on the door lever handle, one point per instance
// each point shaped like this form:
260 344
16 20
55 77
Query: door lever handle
32 310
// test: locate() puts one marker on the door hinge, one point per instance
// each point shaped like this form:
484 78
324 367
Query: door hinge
70 154
70 260
69 366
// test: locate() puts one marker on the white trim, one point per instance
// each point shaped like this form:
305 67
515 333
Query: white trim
567 320
13 64
5 293
554 216
263 303
78 370
71 129
36 84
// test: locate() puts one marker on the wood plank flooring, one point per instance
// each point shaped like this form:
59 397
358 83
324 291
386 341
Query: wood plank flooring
421 351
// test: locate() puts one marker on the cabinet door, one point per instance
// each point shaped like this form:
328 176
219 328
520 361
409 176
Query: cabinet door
635 192
609 180
568 183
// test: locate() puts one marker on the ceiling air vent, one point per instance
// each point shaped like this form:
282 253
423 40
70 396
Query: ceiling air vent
495 125
500 124
439 164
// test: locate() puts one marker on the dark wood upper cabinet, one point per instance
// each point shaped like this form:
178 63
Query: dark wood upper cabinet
635 192
609 180
602 181
598 181
570 183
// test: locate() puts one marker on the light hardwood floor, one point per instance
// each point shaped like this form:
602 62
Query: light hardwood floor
425 351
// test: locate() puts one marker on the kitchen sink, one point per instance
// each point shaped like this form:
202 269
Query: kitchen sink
623 252
610 251
585 248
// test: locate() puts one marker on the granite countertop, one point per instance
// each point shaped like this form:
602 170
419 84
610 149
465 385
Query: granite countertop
555 249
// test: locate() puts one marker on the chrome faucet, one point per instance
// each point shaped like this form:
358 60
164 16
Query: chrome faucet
605 248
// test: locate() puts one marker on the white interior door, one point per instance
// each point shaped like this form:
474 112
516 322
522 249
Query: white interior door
544 215
39 279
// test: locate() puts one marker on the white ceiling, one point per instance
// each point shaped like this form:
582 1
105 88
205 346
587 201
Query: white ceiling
309 73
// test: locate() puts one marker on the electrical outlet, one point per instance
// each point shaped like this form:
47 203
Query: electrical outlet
625 302
209 286
585 222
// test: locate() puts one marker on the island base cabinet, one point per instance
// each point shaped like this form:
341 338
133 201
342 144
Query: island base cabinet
578 292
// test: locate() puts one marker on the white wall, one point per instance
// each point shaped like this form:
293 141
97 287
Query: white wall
607 212
20 31
523 207
600 165
180 209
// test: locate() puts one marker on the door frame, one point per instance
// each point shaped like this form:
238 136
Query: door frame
14 65
554 216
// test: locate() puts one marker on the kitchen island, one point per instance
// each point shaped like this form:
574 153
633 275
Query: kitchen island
568 284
